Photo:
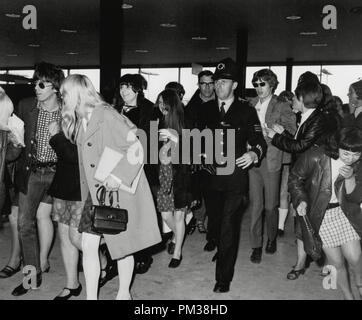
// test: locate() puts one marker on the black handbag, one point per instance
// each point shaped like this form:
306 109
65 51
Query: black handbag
108 219
311 240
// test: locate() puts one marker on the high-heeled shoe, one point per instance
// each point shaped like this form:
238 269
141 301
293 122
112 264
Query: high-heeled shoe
174 263
294 274
72 292
46 270
110 271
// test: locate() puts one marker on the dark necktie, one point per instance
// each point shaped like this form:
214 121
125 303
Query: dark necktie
222 110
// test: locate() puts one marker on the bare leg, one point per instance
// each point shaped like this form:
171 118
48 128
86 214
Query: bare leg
70 255
168 218
179 219
15 254
352 251
91 264
125 271
45 231
336 259
302 256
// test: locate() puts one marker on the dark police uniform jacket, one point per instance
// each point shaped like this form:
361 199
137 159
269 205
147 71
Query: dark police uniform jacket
248 137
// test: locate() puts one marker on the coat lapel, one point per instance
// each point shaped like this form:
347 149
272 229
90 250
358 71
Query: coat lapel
94 123
270 109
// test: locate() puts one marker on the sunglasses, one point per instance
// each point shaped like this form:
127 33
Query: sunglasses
41 84
209 84
259 84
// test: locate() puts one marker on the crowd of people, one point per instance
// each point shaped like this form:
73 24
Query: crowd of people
270 155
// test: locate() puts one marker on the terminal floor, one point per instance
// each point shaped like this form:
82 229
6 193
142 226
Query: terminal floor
194 278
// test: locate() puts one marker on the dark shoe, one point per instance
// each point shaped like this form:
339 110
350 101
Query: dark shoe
72 292
221 287
8 271
174 263
271 246
142 267
110 271
210 246
256 255
215 257
20 290
280 233
171 247
294 274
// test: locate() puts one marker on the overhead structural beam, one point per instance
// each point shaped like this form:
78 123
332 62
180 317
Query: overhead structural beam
110 46
242 57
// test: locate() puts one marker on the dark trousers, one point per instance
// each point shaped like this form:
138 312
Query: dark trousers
264 189
224 214
38 185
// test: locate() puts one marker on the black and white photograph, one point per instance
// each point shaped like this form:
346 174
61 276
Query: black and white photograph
189 153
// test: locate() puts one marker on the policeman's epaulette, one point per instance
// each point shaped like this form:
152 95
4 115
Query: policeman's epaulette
257 127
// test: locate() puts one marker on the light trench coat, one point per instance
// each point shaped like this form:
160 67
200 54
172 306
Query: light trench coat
108 128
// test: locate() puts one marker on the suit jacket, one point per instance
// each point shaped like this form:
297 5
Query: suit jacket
108 128
277 112
242 118
28 112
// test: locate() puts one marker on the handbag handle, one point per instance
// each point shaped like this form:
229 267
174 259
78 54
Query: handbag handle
101 196
308 224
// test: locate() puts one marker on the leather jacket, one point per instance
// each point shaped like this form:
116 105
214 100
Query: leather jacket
310 180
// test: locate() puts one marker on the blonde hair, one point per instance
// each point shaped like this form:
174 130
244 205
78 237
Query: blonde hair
6 107
79 95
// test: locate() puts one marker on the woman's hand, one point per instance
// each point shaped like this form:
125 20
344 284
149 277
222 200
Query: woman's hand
166 134
54 128
246 159
346 172
302 209
111 184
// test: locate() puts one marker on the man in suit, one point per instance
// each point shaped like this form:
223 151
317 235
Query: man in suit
36 165
264 181
226 193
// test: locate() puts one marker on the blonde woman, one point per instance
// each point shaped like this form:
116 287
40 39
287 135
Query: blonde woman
95 125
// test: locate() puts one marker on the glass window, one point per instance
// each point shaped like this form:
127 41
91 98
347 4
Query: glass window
298 70
189 82
281 72
2 72
130 70
157 80
92 74
24 73
339 78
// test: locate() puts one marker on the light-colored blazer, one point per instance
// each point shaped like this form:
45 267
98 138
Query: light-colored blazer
108 128
278 112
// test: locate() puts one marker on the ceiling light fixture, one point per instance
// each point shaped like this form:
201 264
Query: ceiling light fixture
141 51
222 48
72 53
12 55
12 15
34 45
293 17
308 33
68 31
168 25
319 45
199 38
127 6
356 10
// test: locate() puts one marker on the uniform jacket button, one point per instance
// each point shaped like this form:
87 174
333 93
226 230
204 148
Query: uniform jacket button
27 168
92 165
89 144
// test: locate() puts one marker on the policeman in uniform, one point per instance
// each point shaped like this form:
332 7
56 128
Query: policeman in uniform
226 193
